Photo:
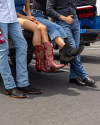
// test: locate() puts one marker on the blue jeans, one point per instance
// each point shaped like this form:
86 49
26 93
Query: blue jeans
53 29
15 33
73 33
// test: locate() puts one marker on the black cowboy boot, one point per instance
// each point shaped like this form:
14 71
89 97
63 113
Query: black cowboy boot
65 59
69 51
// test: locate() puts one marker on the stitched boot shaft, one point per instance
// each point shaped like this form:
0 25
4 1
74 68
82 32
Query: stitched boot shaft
69 51
65 59
39 54
49 58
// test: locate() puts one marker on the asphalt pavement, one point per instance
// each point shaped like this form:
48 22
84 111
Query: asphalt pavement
61 103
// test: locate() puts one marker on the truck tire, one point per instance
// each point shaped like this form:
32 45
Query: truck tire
29 59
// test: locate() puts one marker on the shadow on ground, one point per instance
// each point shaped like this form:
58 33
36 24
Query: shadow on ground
52 83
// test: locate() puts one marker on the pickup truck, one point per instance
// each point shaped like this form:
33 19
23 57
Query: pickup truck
89 23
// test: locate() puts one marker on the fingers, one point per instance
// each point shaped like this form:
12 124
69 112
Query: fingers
35 21
71 15
31 18
69 20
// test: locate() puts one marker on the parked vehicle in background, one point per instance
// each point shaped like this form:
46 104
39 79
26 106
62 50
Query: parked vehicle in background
89 21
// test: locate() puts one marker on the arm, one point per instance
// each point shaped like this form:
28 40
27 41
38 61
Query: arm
25 17
52 13
50 9
27 8
28 13
20 15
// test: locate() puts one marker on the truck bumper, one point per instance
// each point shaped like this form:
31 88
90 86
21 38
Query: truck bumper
89 36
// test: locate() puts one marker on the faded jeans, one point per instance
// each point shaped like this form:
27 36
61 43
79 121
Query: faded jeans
15 33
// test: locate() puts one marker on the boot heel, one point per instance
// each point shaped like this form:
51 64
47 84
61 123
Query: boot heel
7 93
63 62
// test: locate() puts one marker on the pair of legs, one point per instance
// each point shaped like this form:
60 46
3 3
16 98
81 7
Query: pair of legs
44 54
39 31
73 32
77 74
15 32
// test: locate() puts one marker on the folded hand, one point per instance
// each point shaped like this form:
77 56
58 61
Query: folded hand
31 18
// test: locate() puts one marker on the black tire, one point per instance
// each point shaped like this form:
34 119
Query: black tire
29 59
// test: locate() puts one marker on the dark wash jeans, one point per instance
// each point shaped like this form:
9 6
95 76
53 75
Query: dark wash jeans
73 33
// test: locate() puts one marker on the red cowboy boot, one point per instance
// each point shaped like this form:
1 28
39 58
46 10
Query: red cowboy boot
39 54
49 58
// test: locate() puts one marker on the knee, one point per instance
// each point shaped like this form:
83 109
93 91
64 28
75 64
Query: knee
24 45
43 28
37 30
23 49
